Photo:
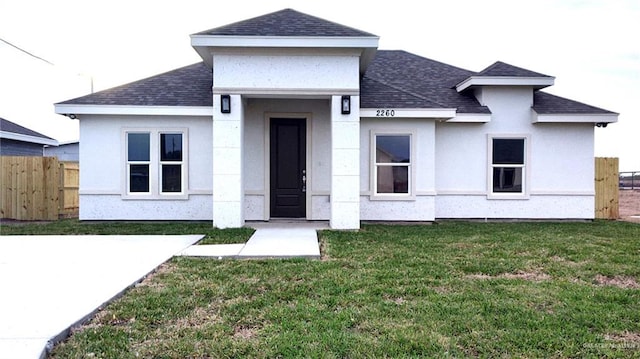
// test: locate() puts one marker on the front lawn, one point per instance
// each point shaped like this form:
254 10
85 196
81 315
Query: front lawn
73 227
447 290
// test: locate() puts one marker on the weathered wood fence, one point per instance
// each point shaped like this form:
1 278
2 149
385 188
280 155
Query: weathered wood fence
607 195
38 188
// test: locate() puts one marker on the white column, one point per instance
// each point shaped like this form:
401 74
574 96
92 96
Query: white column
345 165
228 190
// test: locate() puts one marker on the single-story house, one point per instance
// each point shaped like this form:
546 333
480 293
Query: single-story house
65 151
16 140
292 116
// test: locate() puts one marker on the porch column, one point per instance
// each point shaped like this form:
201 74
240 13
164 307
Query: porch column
345 165
228 192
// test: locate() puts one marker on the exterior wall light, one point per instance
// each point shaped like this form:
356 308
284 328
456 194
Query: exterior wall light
225 103
346 105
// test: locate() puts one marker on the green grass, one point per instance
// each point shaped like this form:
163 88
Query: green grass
447 290
73 226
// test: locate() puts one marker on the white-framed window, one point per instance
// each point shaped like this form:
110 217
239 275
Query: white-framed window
156 163
392 157
508 162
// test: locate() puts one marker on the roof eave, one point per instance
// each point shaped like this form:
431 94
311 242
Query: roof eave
205 44
74 110
27 138
574 117
534 82
433 113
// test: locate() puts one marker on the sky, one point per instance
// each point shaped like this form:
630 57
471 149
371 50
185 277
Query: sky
590 46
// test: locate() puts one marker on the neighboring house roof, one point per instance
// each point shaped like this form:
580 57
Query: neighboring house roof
287 22
13 131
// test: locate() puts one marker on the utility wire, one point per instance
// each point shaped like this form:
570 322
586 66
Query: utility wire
26 52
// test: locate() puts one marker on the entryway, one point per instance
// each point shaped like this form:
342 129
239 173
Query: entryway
288 168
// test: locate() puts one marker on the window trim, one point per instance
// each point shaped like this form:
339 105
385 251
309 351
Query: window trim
526 167
373 166
155 165
129 163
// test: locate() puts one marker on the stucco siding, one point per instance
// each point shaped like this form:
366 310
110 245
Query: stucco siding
285 71
103 169
559 165
420 207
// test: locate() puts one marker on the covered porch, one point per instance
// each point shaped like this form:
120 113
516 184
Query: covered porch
280 157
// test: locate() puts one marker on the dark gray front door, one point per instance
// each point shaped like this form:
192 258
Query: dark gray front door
288 167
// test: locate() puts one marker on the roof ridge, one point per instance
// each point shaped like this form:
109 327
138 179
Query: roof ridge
501 66
286 23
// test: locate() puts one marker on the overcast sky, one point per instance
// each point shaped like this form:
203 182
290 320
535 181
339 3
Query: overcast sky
590 46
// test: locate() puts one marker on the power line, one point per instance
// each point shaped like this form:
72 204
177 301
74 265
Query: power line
26 52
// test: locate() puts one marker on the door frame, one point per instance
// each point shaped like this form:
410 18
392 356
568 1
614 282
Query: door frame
303 116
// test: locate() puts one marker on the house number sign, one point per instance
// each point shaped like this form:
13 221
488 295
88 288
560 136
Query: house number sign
385 113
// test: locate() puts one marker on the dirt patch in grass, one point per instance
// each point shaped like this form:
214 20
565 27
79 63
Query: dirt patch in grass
617 281
244 332
528 276
151 281
627 337
629 205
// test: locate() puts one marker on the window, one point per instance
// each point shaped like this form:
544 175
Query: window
508 165
138 161
171 162
392 174
155 163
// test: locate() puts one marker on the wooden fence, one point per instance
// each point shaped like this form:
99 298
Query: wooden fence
38 188
607 195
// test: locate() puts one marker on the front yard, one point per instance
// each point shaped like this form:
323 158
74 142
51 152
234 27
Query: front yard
450 289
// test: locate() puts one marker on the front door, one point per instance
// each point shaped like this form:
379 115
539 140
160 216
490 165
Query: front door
288 167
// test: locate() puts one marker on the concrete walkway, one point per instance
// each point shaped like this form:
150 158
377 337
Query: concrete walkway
50 283
276 239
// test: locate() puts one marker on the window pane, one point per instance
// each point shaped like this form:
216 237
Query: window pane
508 151
507 179
171 147
171 178
393 179
393 149
138 147
138 178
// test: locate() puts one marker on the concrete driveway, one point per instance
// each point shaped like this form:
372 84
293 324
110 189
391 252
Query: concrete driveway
50 283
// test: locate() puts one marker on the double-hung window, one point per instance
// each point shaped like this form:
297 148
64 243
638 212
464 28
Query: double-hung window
138 161
392 174
508 166
155 163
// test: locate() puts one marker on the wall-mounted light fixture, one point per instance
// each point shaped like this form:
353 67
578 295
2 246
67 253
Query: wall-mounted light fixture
346 105
225 103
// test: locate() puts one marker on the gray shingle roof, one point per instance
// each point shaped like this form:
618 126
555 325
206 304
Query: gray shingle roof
500 68
8 126
424 78
394 79
186 86
287 22
545 103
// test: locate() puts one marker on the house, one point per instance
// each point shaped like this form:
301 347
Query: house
16 140
65 151
293 116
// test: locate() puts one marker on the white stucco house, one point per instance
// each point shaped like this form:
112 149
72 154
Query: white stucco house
293 116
